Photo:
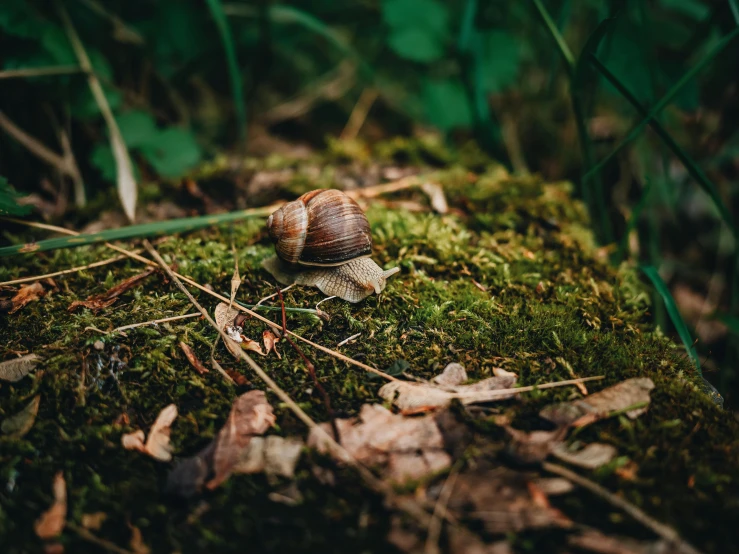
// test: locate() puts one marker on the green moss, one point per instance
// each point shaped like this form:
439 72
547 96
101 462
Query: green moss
509 279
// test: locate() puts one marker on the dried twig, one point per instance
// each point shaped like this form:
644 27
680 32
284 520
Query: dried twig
65 271
154 322
359 114
660 529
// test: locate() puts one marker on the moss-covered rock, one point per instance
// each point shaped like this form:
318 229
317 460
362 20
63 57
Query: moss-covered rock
509 278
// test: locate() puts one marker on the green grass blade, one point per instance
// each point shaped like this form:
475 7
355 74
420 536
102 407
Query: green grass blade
564 50
695 172
216 10
666 99
734 10
135 231
672 310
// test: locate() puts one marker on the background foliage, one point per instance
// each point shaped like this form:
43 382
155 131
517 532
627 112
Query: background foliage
635 101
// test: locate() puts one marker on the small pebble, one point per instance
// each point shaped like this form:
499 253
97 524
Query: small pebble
98 345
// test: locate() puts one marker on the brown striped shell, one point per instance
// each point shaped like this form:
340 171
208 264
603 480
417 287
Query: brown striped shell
321 228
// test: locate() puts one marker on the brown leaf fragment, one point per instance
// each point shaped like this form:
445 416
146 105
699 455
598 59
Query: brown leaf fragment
21 423
620 397
553 486
453 374
272 455
408 448
134 441
592 456
24 295
158 445
51 522
533 447
225 316
250 415
137 544
437 199
16 368
193 359
270 342
94 521
252 345
99 302
238 378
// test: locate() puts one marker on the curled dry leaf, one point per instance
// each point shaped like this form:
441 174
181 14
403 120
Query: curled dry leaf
25 294
94 521
600 405
19 424
436 196
270 342
592 456
419 397
99 302
157 446
51 522
193 359
137 544
225 317
15 369
272 455
533 447
408 448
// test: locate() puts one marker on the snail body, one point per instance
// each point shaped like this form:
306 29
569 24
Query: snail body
323 239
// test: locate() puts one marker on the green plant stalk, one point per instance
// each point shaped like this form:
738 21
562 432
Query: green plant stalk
564 50
705 183
136 231
734 10
666 99
237 90
672 310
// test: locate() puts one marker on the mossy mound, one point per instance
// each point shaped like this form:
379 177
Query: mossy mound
510 278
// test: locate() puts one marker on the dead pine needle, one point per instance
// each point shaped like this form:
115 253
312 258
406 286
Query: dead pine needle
154 322
660 529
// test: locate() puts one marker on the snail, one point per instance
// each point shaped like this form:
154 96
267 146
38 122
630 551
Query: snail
323 240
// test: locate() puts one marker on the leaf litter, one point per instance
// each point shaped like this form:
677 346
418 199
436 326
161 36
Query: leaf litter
24 295
51 522
16 426
193 359
15 369
98 302
157 445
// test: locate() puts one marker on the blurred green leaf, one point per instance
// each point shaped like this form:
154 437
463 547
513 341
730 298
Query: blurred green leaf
9 200
696 9
138 128
446 104
416 44
430 15
625 60
102 159
83 105
501 60
172 152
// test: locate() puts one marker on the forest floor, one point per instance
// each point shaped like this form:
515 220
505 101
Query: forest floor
506 281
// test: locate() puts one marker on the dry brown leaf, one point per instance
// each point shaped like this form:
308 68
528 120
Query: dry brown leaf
51 522
25 294
238 378
193 359
599 405
99 302
252 345
19 424
437 199
250 415
158 445
419 397
409 448
137 544
225 316
535 446
134 441
592 456
94 521
16 368
270 342
272 455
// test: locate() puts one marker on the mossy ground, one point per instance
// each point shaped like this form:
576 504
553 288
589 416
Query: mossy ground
510 279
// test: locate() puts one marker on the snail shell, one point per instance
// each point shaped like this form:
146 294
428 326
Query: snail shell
323 240
321 228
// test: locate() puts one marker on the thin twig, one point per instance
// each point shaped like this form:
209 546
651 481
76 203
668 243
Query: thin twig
662 530
154 322
89 537
434 528
40 71
346 340
35 146
311 371
359 114
409 506
65 271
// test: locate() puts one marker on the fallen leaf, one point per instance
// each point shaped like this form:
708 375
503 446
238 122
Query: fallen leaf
51 522
553 486
94 521
534 446
238 378
252 345
16 368
436 196
408 448
26 294
600 405
272 455
136 543
419 397
19 424
134 441
99 302
193 359
270 342
592 456
250 415
158 445
225 316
